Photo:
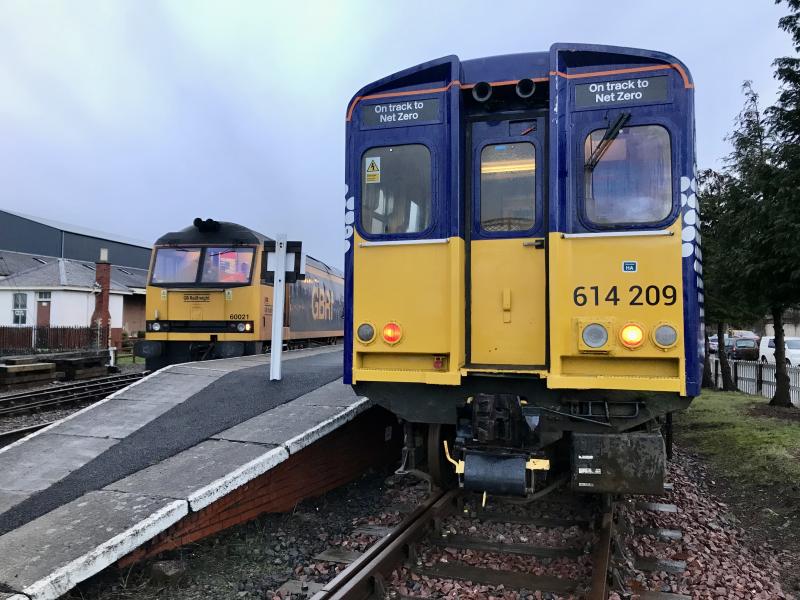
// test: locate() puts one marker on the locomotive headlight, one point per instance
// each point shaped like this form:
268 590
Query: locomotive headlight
156 326
392 333
632 335
594 335
247 326
240 327
365 333
665 336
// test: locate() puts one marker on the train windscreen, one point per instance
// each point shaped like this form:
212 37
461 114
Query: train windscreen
176 265
227 265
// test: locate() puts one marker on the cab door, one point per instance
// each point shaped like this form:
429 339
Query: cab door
506 300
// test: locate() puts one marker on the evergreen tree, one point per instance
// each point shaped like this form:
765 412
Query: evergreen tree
725 301
764 222
784 122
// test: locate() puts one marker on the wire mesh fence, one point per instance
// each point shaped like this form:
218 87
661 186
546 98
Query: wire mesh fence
756 378
41 339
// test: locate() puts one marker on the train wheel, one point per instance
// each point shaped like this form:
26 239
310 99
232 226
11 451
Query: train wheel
440 469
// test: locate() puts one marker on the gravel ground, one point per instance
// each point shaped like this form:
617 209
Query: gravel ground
719 562
253 560
408 583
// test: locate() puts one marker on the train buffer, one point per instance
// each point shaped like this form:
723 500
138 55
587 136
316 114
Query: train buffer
183 453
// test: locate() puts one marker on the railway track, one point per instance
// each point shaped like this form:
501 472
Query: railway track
416 548
9 437
90 390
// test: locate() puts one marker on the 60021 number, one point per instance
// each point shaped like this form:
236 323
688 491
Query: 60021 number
637 295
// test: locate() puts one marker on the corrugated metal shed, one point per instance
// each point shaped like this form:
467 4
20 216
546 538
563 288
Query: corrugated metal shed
39 236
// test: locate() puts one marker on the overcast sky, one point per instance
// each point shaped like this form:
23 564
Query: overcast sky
135 116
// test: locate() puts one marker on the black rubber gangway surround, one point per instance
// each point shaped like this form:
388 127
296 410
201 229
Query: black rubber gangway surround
232 399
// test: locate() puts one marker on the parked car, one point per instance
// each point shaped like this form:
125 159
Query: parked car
767 350
744 333
729 346
743 349
713 343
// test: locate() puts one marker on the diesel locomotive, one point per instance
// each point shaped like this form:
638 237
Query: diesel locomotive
523 273
209 296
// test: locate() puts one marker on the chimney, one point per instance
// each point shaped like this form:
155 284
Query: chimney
101 312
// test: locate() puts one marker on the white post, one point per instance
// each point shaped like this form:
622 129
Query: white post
278 299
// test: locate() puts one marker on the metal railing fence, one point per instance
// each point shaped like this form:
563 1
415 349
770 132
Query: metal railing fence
756 378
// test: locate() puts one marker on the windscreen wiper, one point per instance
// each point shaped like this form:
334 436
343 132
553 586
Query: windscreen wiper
611 134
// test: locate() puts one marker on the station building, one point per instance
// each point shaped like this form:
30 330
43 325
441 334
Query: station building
49 274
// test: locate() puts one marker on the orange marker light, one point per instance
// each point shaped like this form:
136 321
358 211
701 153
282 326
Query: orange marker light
632 335
392 333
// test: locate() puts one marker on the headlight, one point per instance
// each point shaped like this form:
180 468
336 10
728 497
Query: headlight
632 335
665 336
594 335
240 327
156 326
365 333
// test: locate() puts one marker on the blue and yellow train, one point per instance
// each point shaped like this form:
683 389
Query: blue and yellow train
523 275
209 296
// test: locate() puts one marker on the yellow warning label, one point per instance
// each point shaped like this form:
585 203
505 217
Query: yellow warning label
373 170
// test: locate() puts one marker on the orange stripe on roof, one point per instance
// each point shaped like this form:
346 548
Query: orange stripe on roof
358 99
465 86
686 83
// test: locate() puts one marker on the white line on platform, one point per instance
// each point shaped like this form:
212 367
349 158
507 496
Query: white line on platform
67 577
84 409
226 484
306 438
258 466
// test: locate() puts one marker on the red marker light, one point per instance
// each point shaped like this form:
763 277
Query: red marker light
392 333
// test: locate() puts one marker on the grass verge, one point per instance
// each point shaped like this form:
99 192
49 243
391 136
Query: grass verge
741 436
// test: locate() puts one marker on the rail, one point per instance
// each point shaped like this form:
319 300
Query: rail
756 378
8 437
71 393
367 577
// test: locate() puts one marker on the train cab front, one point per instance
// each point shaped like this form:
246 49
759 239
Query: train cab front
523 270
204 298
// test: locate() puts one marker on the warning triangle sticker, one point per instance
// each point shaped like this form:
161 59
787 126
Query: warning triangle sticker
373 167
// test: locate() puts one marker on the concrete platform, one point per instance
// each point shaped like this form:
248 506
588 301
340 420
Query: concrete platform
84 493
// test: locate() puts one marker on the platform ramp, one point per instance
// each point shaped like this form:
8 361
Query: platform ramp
237 468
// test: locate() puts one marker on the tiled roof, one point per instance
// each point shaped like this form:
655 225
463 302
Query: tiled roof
64 272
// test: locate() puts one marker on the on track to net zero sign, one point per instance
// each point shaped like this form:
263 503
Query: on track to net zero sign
621 91
400 113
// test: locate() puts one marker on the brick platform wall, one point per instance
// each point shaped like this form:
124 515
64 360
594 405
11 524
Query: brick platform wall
338 458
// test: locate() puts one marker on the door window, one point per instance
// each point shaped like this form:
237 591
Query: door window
508 187
396 189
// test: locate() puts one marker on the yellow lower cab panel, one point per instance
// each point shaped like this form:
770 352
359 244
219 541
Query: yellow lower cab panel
418 287
624 285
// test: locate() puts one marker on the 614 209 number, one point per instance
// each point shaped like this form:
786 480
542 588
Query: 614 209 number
637 295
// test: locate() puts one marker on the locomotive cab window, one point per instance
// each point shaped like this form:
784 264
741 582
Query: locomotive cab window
176 265
628 176
227 265
508 187
396 190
